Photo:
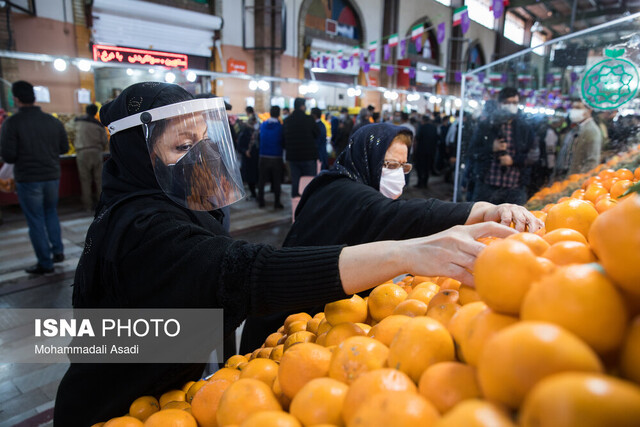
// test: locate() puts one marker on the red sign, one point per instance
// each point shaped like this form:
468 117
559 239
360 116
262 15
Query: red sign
331 27
235 66
139 56
373 81
403 76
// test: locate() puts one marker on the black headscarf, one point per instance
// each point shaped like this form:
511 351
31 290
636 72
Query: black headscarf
127 175
361 160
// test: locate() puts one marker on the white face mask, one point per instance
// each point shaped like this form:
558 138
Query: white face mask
392 182
576 115
511 108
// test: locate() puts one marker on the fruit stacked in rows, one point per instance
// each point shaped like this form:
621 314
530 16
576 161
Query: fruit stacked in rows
550 335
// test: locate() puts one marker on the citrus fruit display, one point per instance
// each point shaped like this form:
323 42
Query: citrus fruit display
549 335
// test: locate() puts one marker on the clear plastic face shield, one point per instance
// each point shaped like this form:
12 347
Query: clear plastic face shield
191 152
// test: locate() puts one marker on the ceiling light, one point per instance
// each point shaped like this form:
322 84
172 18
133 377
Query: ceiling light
318 70
191 76
60 64
313 87
169 77
129 72
151 71
263 85
84 65
303 90
253 85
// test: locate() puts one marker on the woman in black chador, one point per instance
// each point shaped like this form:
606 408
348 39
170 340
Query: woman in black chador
157 242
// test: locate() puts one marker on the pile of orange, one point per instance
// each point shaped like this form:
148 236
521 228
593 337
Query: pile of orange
550 335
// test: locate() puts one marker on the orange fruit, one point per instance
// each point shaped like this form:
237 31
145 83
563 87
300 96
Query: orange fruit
355 356
171 417
234 361
300 364
272 339
536 243
395 408
578 194
276 352
581 399
480 330
312 325
125 421
575 214
582 300
182 405
619 188
467 295
446 384
420 343
323 327
563 253
298 317
542 216
462 320
352 310
444 296
593 191
284 400
411 308
143 407
383 299
271 419
225 374
365 327
450 283
297 338
476 413
624 173
615 238
187 386
547 265
297 327
320 401
606 173
607 183
520 355
630 355
265 370
172 396
204 405
636 173
503 274
341 332
605 204
387 328
195 387
443 312
370 383
423 293
242 399
564 234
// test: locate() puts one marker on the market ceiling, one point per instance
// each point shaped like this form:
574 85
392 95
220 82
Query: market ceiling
556 15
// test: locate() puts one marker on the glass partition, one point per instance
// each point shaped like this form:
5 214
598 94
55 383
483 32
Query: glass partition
550 116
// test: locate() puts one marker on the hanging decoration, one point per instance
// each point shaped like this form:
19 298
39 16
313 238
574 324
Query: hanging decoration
465 21
412 73
393 40
387 52
390 70
403 47
441 32
457 15
498 8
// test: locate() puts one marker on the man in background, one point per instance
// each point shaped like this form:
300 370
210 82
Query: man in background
343 131
300 133
33 141
270 165
90 143
582 145
321 139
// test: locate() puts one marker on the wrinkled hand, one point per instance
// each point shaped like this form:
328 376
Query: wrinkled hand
506 160
505 214
451 253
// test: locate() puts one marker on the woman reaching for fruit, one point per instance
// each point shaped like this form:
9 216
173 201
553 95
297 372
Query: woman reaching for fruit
157 241
357 201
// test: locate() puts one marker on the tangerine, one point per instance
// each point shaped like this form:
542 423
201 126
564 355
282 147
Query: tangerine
445 384
320 401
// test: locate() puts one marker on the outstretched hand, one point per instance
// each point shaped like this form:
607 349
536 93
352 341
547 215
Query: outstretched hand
451 253
505 214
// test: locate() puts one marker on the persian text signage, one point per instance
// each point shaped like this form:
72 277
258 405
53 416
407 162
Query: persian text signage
235 66
126 55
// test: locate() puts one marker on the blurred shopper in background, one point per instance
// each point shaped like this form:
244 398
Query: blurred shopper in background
581 148
33 141
300 133
248 140
321 139
343 132
90 143
271 164
425 150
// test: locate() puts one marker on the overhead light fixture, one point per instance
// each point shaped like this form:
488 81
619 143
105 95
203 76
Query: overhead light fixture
84 65
303 90
263 85
432 99
191 76
151 71
313 87
253 85
318 70
129 72
457 102
473 103
169 77
391 95
60 64
413 97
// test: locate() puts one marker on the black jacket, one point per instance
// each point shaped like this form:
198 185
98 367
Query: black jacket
33 141
300 133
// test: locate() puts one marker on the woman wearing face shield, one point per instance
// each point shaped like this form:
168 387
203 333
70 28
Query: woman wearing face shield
357 202
157 242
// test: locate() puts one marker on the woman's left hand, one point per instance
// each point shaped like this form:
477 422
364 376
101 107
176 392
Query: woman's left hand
506 214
